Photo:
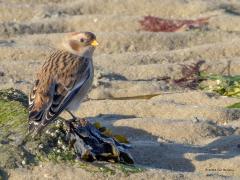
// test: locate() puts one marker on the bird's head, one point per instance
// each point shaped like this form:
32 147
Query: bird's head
80 43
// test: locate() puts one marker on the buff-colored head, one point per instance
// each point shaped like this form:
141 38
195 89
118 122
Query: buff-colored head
80 43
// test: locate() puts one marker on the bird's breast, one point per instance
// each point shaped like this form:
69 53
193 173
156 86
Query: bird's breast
85 87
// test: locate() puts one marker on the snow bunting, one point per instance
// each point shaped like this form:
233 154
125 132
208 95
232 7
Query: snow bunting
63 81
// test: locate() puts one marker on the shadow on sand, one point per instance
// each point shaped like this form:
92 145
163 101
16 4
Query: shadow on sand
3 174
148 152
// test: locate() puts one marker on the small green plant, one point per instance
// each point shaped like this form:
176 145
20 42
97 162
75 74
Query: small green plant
236 105
223 85
126 169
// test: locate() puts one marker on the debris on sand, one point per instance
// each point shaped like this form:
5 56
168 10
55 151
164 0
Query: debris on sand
191 75
156 24
90 144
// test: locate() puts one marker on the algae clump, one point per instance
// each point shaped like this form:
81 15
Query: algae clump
53 145
13 130
13 112
13 127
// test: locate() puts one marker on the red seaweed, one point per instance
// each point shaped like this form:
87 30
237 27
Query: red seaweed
191 75
155 24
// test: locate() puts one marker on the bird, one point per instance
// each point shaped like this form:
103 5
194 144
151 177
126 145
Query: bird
63 81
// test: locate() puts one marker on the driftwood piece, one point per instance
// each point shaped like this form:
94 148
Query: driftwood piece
90 144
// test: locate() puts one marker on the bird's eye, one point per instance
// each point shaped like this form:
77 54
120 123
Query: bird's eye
81 40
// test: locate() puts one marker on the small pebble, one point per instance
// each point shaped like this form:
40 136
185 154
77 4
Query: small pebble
59 142
40 146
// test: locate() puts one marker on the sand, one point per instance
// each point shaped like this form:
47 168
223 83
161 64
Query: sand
175 133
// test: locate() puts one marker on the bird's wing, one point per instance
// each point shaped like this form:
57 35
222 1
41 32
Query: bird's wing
60 79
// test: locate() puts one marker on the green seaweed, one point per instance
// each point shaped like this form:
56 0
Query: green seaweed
236 105
223 85
13 115
126 169
51 146
13 127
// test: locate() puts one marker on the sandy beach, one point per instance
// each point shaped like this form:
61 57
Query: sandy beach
176 133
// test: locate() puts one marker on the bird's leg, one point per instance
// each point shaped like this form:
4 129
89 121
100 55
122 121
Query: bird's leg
82 121
74 118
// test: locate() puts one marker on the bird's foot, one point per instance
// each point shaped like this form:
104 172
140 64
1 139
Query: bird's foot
73 120
76 121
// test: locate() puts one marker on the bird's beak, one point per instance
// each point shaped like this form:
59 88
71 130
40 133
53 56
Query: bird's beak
94 43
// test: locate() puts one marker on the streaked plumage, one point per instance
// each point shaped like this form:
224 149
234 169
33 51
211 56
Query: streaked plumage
63 81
